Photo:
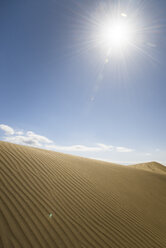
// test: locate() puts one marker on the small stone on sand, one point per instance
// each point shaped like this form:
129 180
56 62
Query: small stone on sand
50 215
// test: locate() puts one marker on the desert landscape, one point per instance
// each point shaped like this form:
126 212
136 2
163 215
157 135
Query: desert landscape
50 199
83 124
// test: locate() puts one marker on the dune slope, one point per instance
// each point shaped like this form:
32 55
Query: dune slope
49 199
151 166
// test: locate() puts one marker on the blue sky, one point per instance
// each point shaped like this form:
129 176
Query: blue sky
60 90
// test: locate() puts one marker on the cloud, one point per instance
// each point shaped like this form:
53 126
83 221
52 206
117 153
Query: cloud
75 148
19 132
32 139
123 149
39 138
82 148
23 140
105 147
8 130
29 138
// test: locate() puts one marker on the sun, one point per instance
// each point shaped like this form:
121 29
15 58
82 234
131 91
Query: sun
115 34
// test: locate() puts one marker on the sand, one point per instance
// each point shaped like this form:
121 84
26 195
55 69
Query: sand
50 199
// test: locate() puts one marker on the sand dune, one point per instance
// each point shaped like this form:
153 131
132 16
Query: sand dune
49 199
151 166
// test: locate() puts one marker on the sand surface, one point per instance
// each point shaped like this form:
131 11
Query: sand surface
49 199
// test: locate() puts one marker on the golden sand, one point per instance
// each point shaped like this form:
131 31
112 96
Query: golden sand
50 199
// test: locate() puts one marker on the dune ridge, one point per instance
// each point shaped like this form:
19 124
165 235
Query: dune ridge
151 166
50 199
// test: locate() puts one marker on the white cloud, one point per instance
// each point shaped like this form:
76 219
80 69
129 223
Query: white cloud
105 147
32 139
19 132
123 149
19 137
39 138
117 154
75 148
23 140
82 148
8 130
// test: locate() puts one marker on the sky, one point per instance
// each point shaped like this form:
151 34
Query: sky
63 89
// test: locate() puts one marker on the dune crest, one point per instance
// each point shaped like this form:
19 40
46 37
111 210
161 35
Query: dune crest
151 166
49 199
